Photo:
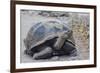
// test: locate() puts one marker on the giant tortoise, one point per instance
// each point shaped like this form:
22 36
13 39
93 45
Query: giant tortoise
50 38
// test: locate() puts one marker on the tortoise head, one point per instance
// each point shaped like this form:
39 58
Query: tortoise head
65 34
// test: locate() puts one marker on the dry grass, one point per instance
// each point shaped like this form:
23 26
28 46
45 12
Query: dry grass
81 36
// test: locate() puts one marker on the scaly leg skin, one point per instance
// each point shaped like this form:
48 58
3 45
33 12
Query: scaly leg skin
28 52
59 43
61 39
44 54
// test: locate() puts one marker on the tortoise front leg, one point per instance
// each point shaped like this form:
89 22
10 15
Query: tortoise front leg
60 40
